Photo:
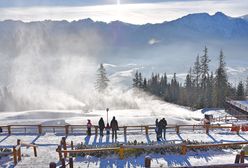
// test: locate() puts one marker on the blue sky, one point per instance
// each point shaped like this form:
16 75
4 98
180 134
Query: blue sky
131 11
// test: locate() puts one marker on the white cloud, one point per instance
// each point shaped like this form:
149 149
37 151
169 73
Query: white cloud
132 13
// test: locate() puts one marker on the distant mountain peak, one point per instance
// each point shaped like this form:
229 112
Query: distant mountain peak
220 14
118 22
87 20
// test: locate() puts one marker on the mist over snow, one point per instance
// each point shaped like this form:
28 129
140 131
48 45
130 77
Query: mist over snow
53 64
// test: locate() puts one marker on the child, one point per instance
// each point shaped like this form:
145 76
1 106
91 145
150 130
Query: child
107 129
89 125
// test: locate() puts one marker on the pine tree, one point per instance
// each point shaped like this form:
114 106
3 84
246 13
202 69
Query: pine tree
196 82
174 89
221 83
204 78
163 84
136 80
145 87
240 91
188 89
210 88
197 71
140 81
102 80
204 68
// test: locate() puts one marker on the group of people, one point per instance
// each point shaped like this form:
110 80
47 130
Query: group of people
160 128
101 125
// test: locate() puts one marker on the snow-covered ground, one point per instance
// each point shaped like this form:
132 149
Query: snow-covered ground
149 109
47 144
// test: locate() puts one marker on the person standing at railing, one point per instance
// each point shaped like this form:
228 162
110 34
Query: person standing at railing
156 129
114 126
89 125
160 129
101 126
164 125
107 129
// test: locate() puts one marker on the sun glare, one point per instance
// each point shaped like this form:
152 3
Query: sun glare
118 2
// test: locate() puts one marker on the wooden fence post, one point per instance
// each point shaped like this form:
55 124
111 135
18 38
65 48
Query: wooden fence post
9 129
64 145
96 130
14 155
66 129
18 141
184 149
147 129
19 154
59 151
177 129
121 152
242 156
63 163
40 129
72 146
237 158
207 129
238 129
125 130
148 162
71 162
35 151
52 165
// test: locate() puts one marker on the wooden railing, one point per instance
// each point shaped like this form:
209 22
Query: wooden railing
235 165
200 146
229 118
16 151
64 152
67 129
237 104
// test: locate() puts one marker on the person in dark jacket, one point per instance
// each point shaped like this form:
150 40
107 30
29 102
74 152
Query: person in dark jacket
114 126
101 126
156 128
164 125
160 129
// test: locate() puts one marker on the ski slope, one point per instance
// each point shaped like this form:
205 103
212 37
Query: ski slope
148 109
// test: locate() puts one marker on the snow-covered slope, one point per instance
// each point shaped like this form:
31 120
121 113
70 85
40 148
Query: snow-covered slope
147 109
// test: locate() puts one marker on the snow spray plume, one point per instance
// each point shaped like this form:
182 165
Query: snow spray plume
55 73
43 74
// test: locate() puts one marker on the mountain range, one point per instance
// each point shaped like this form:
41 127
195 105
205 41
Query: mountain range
163 47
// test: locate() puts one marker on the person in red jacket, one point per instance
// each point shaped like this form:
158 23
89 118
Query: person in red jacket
89 125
